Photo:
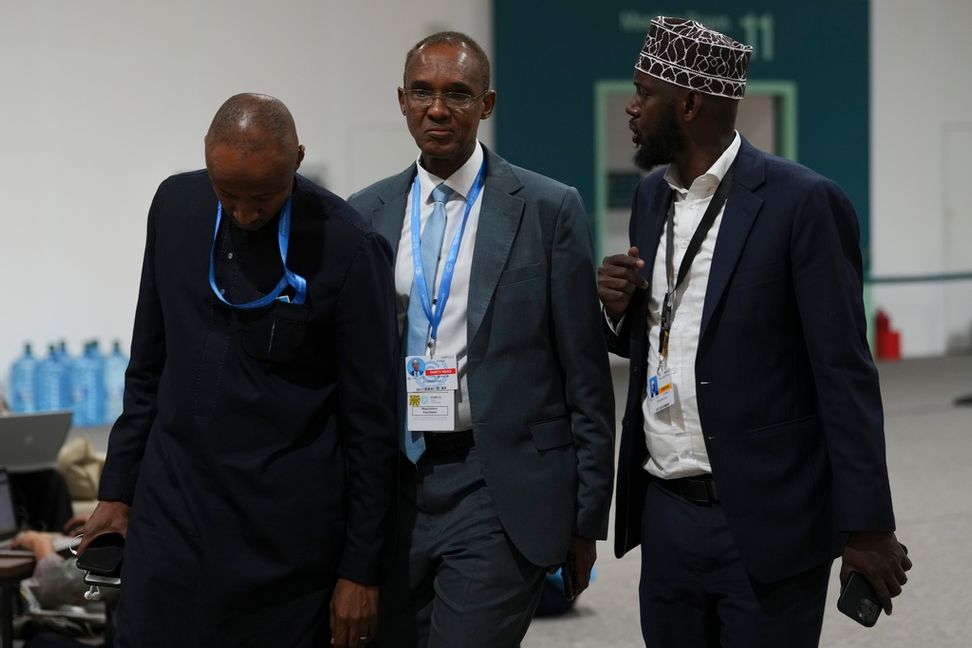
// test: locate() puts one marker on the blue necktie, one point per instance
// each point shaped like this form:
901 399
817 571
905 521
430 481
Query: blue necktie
418 323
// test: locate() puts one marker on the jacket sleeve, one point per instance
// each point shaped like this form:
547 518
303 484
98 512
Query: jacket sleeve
827 278
366 343
577 324
126 443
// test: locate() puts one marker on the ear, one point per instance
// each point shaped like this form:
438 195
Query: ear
401 99
300 156
691 105
489 102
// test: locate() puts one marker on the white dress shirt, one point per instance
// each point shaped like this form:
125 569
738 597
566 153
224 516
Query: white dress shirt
451 338
676 447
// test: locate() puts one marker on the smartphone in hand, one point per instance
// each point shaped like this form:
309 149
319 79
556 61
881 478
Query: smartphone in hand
858 600
102 560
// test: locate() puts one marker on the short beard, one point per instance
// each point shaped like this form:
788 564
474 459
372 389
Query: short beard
662 148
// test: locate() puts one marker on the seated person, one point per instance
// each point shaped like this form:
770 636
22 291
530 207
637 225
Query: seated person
57 585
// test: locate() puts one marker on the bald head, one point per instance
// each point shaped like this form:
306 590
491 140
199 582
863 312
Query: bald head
251 155
253 122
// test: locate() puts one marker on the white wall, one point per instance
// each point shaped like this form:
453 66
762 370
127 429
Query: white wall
921 166
103 99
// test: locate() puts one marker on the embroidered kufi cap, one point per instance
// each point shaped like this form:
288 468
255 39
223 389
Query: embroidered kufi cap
690 55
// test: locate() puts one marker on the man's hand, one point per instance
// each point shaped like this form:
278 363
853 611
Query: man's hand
40 544
881 558
617 279
354 614
583 553
74 525
108 517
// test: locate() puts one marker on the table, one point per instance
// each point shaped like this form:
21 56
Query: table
12 571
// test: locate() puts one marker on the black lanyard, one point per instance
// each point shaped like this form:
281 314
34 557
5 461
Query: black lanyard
669 306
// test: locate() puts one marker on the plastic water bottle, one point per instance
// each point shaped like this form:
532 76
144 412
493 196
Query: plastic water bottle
51 383
77 390
115 366
22 376
88 387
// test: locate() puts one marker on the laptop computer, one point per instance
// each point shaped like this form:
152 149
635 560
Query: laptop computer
8 522
31 442
8 518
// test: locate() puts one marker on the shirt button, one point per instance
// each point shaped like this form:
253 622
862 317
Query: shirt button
230 256
222 291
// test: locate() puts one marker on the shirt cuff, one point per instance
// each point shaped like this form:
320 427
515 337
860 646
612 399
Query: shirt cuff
611 325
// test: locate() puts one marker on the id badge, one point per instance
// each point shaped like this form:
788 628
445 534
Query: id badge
661 396
431 384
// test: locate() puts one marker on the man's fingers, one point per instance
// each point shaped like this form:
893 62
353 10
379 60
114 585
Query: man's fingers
352 632
337 634
899 573
582 579
884 596
621 261
620 284
845 572
620 278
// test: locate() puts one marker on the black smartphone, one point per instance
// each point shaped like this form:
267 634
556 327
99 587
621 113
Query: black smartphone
858 600
103 557
567 574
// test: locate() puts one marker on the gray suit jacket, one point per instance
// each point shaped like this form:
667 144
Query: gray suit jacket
539 383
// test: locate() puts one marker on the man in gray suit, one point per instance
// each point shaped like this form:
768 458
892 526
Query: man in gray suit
509 435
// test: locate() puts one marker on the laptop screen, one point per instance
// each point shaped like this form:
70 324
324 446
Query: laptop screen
8 518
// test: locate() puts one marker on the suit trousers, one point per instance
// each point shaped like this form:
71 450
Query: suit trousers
455 578
696 592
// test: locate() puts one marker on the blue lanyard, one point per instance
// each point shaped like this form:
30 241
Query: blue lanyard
435 318
288 279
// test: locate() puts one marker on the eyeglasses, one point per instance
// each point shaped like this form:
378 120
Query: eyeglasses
422 99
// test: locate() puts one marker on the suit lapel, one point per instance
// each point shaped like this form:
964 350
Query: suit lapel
742 207
646 240
389 216
499 220
650 234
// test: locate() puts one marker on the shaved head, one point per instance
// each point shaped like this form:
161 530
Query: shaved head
253 122
252 154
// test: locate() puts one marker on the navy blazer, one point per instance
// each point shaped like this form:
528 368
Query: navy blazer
539 383
788 394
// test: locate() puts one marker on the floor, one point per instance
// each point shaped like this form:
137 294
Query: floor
929 442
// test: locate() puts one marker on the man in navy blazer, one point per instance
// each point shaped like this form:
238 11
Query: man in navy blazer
742 293
253 467
522 477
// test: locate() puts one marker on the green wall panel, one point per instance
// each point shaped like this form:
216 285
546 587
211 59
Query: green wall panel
549 56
